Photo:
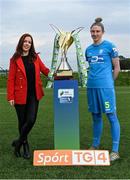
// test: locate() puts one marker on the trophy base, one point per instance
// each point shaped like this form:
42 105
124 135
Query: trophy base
64 75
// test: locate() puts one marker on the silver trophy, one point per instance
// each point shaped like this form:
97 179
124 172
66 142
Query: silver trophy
64 70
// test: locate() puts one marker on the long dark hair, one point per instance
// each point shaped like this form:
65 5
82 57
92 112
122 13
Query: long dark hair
32 53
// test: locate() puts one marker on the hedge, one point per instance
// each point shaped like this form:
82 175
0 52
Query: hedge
123 79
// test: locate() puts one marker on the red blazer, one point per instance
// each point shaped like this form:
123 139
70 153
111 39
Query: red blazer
17 80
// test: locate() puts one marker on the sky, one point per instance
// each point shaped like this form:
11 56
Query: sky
34 16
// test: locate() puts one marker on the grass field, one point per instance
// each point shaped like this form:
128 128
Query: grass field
41 137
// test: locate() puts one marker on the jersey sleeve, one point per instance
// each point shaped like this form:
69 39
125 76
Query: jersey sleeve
86 55
114 51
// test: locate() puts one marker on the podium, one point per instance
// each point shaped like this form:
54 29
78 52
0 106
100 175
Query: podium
66 114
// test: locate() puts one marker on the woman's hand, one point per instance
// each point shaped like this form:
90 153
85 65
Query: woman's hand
11 102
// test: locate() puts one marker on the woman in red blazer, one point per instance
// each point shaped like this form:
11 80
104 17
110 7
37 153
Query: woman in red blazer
24 89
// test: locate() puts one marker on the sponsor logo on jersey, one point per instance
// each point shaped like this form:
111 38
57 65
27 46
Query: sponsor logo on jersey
96 59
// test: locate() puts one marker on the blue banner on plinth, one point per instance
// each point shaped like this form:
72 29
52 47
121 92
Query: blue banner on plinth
66 114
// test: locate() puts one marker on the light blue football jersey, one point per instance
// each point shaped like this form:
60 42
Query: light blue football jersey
99 58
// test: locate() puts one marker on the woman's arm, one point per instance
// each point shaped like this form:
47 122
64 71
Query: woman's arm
43 68
10 82
116 65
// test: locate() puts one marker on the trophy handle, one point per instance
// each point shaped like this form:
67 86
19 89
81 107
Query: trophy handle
55 28
77 29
